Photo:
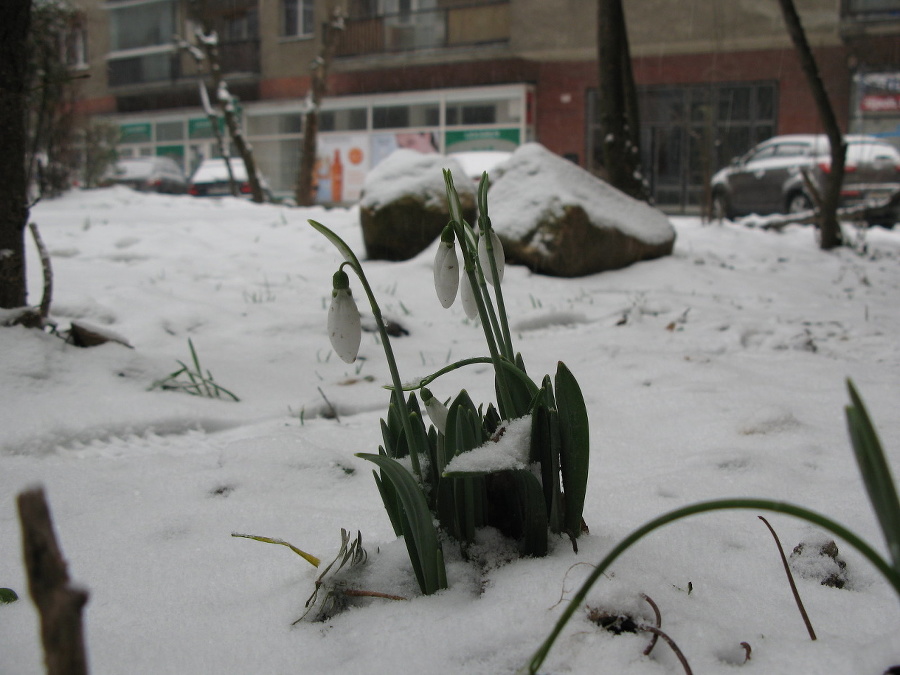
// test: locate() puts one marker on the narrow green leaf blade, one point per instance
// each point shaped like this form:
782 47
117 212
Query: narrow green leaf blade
574 446
420 523
876 473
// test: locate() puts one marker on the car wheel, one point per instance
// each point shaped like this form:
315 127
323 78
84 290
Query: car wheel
721 209
798 203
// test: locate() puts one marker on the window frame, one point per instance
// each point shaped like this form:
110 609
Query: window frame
304 11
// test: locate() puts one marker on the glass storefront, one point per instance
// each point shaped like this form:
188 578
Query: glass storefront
355 133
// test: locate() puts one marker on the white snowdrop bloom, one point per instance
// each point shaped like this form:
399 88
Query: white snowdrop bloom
485 261
467 296
446 273
436 410
344 329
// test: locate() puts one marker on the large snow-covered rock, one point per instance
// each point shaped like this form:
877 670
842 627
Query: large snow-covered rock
403 207
558 219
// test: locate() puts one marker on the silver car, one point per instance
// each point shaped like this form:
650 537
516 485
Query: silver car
768 179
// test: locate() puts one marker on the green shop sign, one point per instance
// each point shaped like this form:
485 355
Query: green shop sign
465 140
139 132
200 127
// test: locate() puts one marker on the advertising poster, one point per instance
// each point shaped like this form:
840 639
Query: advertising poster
384 144
341 166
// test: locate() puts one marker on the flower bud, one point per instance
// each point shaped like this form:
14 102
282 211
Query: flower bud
484 259
446 269
344 329
436 410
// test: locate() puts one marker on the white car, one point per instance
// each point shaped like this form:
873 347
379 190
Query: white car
211 179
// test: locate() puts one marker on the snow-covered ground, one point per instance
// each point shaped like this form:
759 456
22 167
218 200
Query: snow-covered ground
718 371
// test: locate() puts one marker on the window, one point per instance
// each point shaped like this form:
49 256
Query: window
871 8
351 119
298 17
148 24
402 116
140 42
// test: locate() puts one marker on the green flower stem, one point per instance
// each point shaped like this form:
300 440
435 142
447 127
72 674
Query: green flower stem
509 366
397 392
470 265
484 222
892 575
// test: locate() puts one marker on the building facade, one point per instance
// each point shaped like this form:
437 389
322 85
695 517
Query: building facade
713 78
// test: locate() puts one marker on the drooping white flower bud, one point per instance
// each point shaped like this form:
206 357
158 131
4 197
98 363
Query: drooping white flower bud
436 410
467 296
484 259
344 329
446 269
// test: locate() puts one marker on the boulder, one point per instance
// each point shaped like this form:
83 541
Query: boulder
403 206
558 219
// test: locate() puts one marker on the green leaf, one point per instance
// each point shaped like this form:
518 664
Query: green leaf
516 508
575 445
545 449
421 537
876 473
7 596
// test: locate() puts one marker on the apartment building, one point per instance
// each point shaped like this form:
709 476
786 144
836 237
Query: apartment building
714 77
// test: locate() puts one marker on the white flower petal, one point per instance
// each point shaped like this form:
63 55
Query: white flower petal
467 296
437 412
344 329
446 274
485 261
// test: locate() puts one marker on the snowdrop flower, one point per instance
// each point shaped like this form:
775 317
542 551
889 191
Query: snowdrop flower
344 328
485 261
436 410
467 296
446 269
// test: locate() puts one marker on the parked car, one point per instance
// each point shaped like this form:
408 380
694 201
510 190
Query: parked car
148 174
211 179
768 179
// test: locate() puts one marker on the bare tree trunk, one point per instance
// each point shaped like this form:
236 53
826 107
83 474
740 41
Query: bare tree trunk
15 19
331 32
209 42
226 105
617 102
59 605
217 134
829 227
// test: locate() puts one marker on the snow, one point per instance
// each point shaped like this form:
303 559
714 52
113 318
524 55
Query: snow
534 184
409 172
506 451
718 371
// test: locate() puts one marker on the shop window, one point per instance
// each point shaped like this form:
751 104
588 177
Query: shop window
352 119
275 125
402 116
298 17
170 131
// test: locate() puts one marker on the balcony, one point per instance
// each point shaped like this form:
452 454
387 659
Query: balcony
462 25
239 56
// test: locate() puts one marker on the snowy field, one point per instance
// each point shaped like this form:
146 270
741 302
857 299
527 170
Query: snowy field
716 372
